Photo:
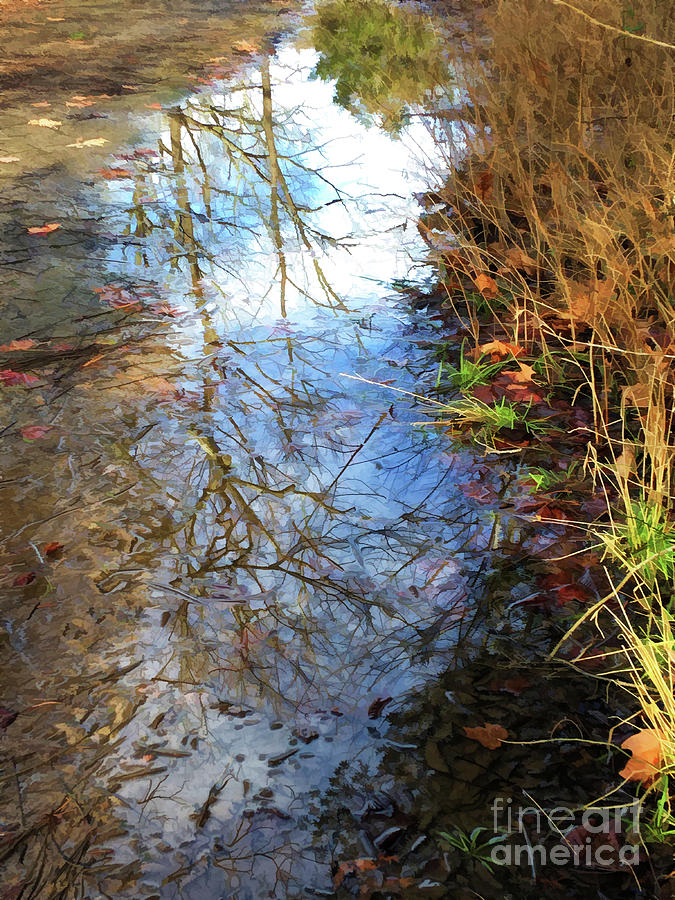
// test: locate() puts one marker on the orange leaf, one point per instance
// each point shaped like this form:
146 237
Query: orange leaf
486 285
647 749
489 735
499 350
52 547
44 229
22 344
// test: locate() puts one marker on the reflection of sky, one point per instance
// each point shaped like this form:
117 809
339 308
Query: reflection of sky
385 557
375 174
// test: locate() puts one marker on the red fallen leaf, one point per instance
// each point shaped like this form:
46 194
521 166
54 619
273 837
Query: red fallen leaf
480 492
52 547
489 735
484 393
23 579
376 707
515 685
7 716
551 512
44 229
486 285
570 592
10 377
647 755
153 105
34 432
22 344
115 174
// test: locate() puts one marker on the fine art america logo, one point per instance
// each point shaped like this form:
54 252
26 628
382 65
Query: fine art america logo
606 838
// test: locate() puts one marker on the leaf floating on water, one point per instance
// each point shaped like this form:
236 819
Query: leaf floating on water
376 707
115 174
46 123
52 547
34 432
44 229
647 749
245 47
21 344
489 735
7 716
24 579
10 377
91 142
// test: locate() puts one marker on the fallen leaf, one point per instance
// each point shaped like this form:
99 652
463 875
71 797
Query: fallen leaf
647 754
624 465
245 47
376 707
42 104
10 377
153 105
638 395
515 685
114 174
44 229
46 123
34 432
517 259
483 187
21 344
7 716
499 350
79 104
487 286
489 735
23 579
91 142
52 547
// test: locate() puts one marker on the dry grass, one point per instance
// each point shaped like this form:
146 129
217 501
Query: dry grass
557 224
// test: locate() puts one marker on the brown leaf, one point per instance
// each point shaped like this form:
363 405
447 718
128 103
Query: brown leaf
638 395
489 735
499 350
625 464
483 187
486 285
376 707
517 259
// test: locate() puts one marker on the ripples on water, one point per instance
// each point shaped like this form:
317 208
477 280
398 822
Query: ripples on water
256 548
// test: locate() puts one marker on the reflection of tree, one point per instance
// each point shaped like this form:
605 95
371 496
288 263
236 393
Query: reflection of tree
238 168
383 58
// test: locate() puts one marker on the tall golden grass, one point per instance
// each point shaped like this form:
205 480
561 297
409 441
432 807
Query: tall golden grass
558 216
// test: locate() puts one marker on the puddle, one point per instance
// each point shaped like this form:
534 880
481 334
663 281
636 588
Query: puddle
259 554
224 560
